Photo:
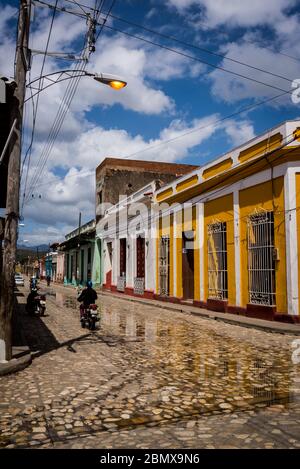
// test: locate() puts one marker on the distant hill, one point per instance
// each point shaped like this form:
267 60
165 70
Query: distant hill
40 247
23 252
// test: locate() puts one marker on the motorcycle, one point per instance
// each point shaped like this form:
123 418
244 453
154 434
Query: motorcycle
36 304
89 316
40 304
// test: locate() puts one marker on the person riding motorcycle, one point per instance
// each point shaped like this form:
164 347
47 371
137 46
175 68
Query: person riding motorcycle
87 297
31 300
33 283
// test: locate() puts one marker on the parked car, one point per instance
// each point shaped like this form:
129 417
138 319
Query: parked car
19 280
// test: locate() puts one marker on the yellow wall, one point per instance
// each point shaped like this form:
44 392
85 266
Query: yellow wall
221 210
261 147
178 241
187 183
298 226
166 229
260 197
164 195
217 168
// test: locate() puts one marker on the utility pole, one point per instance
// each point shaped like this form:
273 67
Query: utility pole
78 251
13 179
38 259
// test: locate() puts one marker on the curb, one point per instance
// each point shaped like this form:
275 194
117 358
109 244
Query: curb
210 315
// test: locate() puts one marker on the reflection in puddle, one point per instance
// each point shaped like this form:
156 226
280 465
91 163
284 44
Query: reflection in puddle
188 368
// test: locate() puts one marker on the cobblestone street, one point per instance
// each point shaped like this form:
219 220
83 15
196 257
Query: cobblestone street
147 378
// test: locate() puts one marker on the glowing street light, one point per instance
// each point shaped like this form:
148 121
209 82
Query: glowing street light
114 82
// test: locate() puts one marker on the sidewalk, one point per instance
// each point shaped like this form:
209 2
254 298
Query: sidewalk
269 326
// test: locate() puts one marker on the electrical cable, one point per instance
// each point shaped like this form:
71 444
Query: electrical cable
165 212
67 101
197 59
190 45
36 105
191 57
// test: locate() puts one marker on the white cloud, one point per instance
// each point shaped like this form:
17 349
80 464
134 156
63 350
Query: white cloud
237 12
239 131
230 88
63 198
45 235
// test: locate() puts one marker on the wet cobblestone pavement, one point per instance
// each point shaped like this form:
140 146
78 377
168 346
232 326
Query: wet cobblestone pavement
148 378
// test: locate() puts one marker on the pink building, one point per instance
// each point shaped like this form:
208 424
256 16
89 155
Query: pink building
60 268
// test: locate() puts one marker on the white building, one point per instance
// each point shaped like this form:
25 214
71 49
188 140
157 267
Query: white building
128 248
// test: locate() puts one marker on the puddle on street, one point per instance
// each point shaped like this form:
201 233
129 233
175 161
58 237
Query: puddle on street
181 368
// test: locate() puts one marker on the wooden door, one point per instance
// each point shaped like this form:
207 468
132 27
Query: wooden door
123 257
140 257
187 267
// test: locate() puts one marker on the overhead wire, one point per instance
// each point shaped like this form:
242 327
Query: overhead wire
35 107
193 130
192 57
218 190
280 52
182 135
66 104
195 58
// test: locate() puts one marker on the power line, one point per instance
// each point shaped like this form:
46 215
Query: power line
243 169
197 59
234 114
213 124
190 45
191 57
35 108
66 102
202 49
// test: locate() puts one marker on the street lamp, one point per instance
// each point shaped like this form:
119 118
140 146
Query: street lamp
113 81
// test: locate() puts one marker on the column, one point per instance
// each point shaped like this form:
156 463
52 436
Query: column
291 240
237 246
200 212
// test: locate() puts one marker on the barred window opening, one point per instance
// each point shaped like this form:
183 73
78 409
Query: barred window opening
164 259
261 263
217 261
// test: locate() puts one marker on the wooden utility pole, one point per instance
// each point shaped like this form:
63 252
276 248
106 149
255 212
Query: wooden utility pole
13 179
78 251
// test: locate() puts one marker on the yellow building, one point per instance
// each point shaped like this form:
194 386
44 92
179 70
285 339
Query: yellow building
228 232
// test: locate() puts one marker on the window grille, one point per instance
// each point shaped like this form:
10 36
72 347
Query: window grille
217 261
164 256
261 263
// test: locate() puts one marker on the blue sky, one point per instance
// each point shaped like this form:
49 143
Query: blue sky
168 95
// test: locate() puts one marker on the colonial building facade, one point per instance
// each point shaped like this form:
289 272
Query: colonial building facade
81 255
128 247
228 233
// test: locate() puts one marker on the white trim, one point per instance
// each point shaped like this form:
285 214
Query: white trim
201 247
174 255
291 240
285 129
250 181
237 247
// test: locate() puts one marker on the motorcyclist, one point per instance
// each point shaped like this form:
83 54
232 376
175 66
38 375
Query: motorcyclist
87 297
30 304
33 283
